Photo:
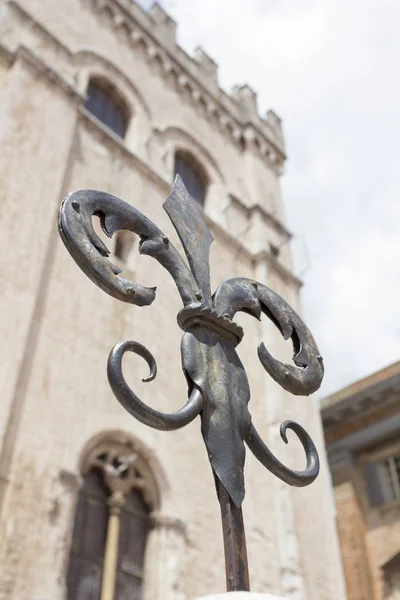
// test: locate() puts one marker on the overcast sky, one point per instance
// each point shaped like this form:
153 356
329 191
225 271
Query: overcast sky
330 69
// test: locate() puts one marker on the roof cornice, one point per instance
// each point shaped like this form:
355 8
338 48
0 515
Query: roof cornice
235 114
375 391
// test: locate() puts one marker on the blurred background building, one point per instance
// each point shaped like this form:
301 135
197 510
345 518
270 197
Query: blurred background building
362 432
97 94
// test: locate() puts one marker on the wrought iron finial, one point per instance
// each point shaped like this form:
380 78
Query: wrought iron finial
218 388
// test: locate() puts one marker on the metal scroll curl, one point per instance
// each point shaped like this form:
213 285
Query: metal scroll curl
217 382
218 389
133 404
242 294
91 254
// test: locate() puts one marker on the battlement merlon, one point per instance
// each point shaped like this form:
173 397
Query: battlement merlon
236 113
166 26
206 63
202 70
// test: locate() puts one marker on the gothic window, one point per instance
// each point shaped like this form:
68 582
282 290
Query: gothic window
103 102
193 176
112 518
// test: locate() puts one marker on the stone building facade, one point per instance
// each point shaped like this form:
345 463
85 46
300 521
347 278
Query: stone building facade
362 432
97 94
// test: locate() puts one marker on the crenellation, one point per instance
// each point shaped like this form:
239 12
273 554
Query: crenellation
207 64
272 154
246 99
165 25
200 74
274 120
131 9
221 111
273 123
197 75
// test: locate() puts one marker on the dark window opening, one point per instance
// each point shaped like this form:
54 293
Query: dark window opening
134 529
390 469
88 539
382 480
104 104
274 250
192 175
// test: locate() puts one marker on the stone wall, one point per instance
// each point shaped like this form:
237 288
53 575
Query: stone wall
58 327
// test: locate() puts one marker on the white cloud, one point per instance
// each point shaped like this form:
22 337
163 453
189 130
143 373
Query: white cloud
330 69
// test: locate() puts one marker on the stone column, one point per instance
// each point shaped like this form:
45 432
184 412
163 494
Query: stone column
165 560
115 503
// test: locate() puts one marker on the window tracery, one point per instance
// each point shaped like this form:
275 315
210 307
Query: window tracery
112 522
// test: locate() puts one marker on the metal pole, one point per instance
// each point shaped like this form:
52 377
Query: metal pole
236 566
218 387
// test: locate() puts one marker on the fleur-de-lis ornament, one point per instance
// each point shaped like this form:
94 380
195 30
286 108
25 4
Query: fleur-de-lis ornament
218 388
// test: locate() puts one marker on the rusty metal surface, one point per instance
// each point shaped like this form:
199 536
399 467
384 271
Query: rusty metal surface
218 388
237 568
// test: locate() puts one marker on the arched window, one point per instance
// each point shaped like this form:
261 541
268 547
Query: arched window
105 104
193 176
112 519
